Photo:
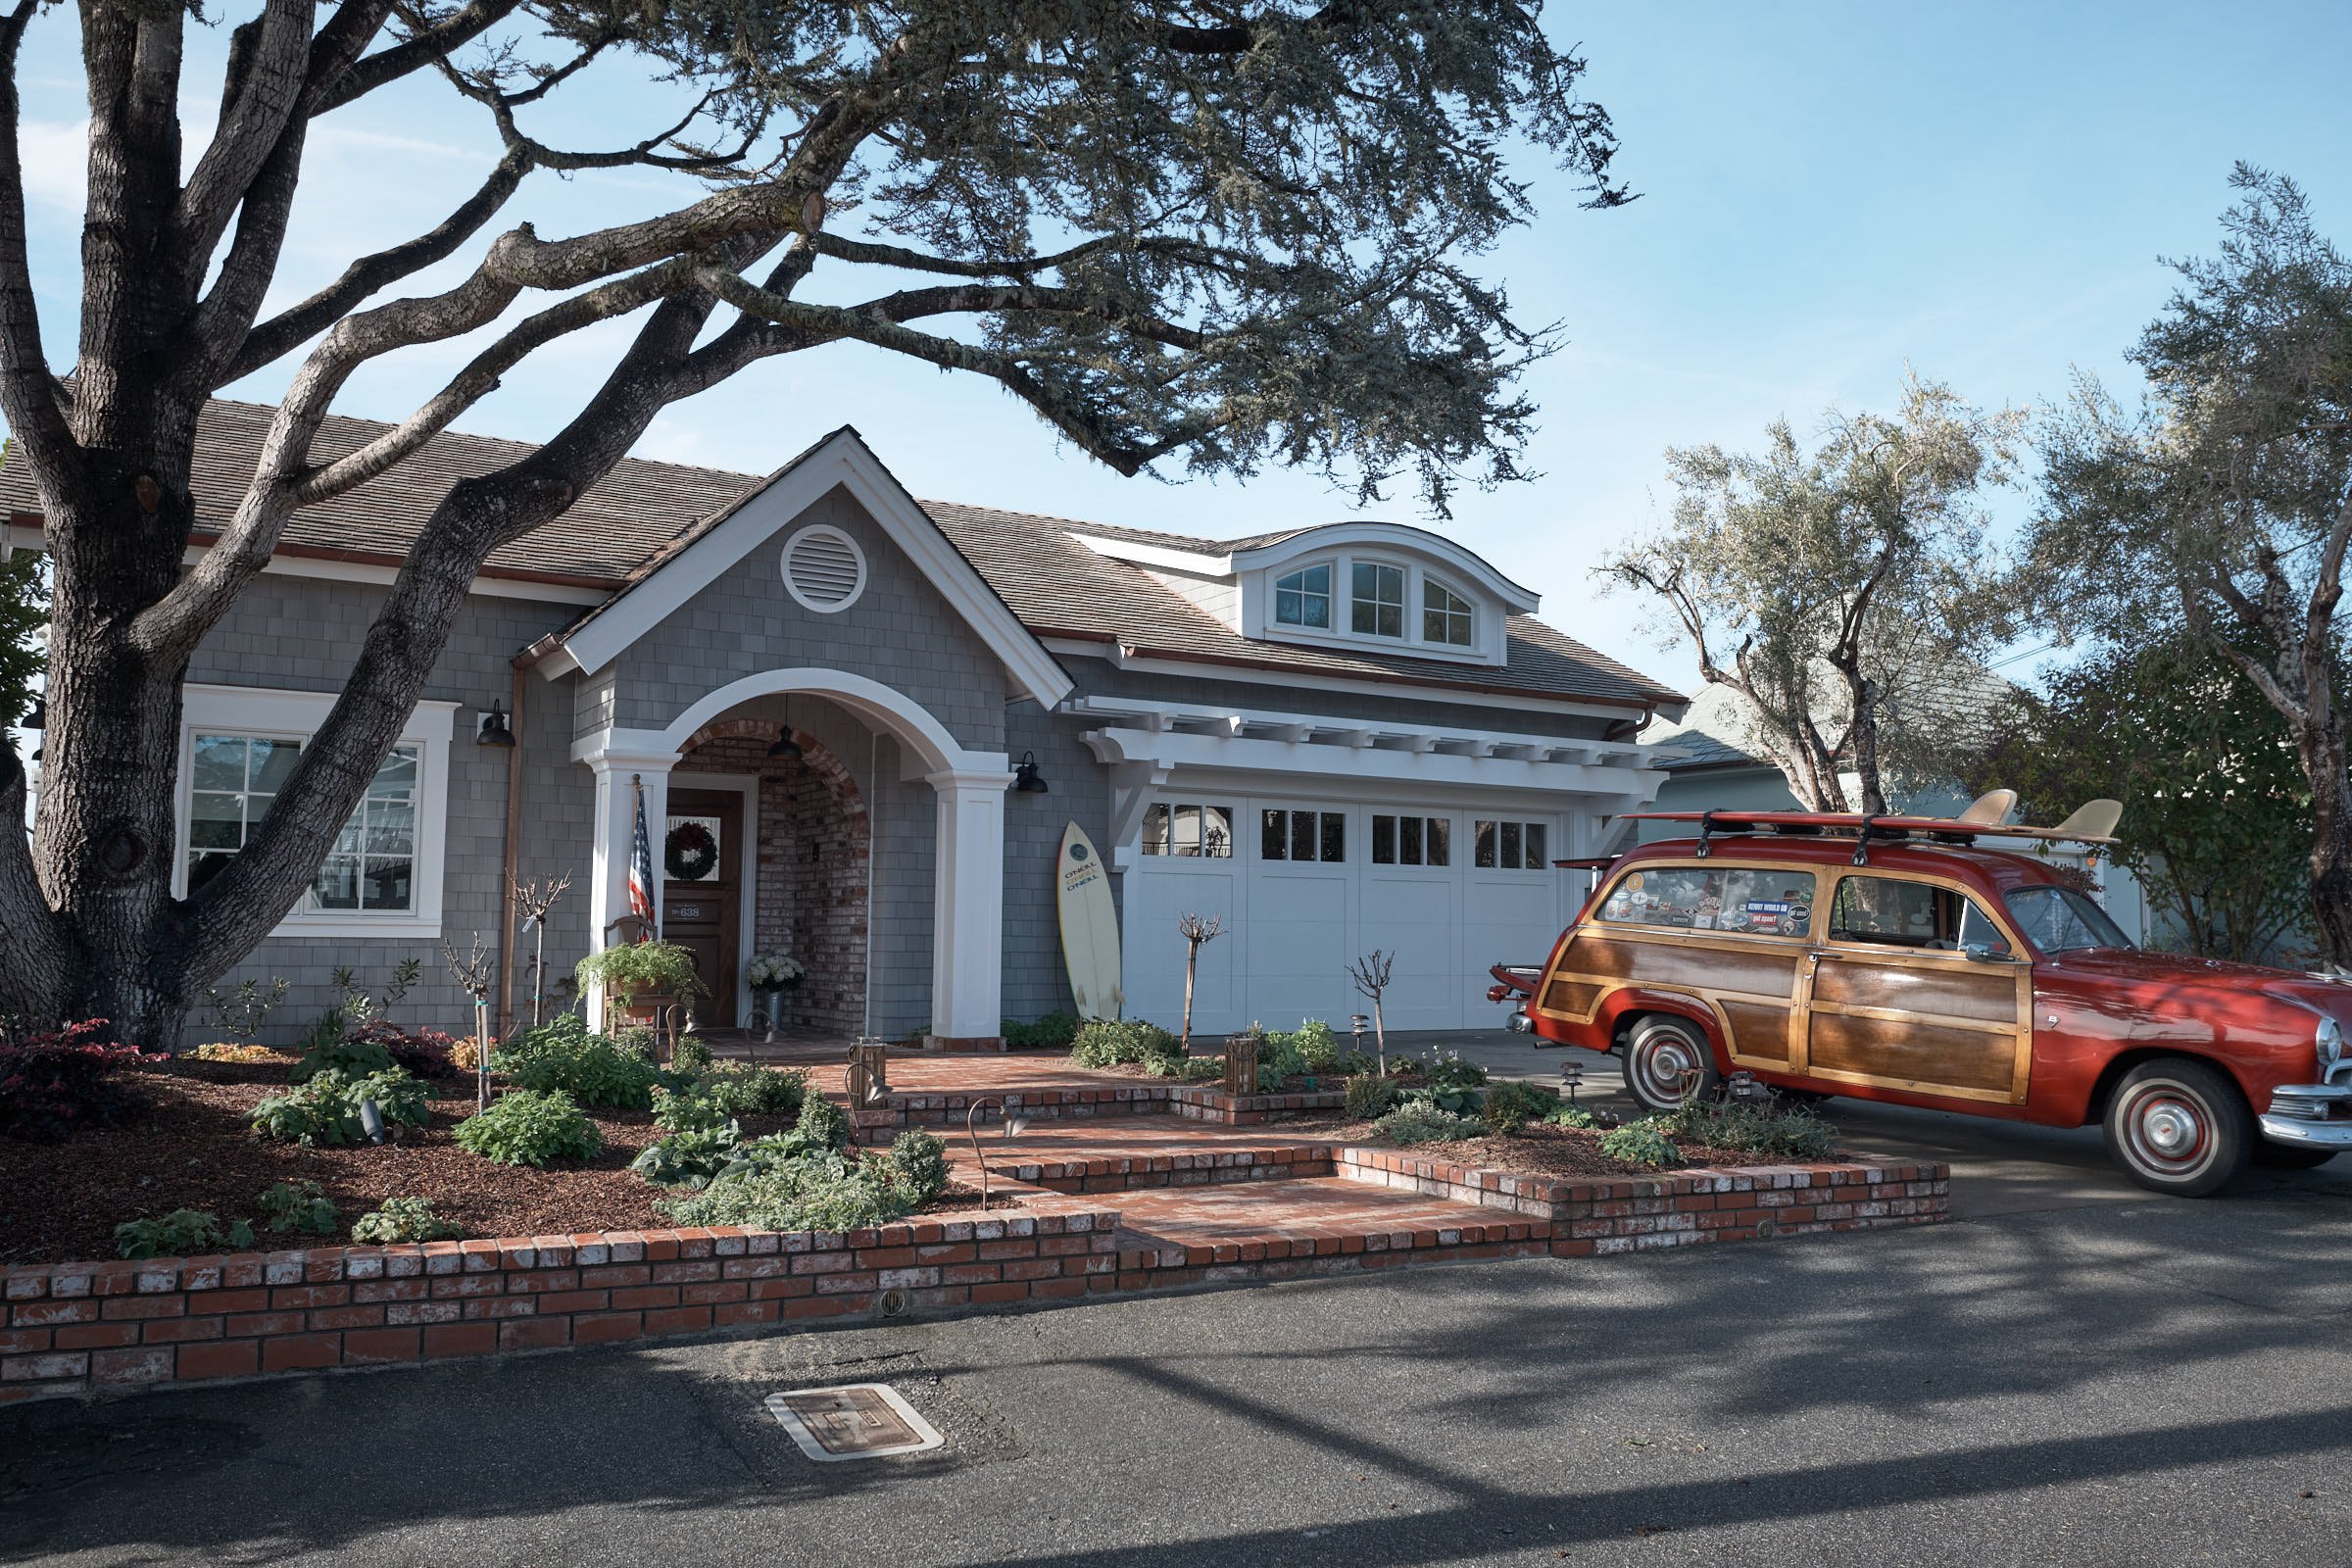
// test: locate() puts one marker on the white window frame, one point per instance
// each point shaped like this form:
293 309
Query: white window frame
1406 579
1469 610
1258 599
822 530
1330 597
267 714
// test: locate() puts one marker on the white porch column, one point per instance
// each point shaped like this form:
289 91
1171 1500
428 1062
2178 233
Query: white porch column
967 912
616 774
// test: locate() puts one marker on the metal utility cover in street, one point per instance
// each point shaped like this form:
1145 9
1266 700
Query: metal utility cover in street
852 1421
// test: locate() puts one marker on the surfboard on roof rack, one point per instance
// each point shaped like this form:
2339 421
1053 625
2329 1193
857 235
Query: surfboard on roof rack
2092 823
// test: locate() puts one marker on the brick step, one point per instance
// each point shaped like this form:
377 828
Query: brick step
1208 1231
1126 1171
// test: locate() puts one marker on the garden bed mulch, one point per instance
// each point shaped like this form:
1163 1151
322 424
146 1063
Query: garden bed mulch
1535 1151
188 1147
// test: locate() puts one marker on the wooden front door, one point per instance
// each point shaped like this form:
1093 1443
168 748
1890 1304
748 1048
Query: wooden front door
705 916
1896 999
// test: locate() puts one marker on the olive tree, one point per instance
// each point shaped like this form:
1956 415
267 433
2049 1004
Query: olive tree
1844 592
2220 506
1192 235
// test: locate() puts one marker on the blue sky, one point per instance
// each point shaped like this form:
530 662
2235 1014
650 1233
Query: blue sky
1829 192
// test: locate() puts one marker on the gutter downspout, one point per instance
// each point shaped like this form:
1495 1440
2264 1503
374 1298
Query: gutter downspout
512 854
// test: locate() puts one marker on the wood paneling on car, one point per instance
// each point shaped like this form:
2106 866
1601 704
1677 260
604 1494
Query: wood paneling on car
1911 1054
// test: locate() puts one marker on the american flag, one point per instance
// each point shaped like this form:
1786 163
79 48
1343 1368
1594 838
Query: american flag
641 869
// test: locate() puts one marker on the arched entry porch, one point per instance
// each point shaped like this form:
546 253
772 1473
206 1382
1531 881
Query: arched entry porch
964 852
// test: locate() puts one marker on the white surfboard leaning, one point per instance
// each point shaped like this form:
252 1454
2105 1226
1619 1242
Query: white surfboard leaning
1090 925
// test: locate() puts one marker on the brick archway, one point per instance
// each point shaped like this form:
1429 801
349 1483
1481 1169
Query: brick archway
814 858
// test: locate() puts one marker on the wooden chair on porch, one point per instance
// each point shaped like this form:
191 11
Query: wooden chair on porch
663 1012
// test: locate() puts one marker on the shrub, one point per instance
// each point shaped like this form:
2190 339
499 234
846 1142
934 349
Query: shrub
823 1124
1454 1099
326 1109
689 1156
1567 1115
1446 1069
1510 1106
563 1057
58 1081
1641 1142
1052 1032
401 1220
1355 1063
641 969
355 1055
1417 1121
1370 1095
179 1234
691 1054
1110 1042
427 1052
682 1110
1318 1045
742 1089
530 1127
1280 1058
813 1189
1769 1129
230 1050
918 1163
1186 1069
297 1206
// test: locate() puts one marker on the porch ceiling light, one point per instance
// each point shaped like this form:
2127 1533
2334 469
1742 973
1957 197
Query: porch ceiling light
1025 777
494 731
784 745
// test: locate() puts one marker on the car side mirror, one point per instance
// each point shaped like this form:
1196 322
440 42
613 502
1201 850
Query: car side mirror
1982 953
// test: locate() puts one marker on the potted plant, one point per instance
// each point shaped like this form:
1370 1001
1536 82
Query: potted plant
628 971
772 976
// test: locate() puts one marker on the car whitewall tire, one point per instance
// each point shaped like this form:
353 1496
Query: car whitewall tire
2180 1126
1668 1064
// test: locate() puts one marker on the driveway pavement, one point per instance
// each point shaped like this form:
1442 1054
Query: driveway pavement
2118 1384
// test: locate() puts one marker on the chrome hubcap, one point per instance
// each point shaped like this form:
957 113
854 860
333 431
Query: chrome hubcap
1667 1070
2171 1129
2167 1131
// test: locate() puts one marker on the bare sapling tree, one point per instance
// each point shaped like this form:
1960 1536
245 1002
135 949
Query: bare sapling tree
472 972
1197 934
1187 237
532 901
2221 510
1370 974
1844 592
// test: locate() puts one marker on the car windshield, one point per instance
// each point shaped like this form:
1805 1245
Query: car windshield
2062 920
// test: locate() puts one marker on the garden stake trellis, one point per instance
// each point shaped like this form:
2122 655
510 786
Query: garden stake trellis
532 901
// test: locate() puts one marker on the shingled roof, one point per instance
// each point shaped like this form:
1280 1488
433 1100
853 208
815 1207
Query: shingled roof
642 514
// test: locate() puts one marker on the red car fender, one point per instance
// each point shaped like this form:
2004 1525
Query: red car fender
1629 1001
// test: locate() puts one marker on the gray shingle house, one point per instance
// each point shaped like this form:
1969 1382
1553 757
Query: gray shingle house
1339 738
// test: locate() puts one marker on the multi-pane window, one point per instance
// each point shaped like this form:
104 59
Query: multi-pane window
1304 598
1743 900
1412 840
1378 592
1444 615
1190 831
372 863
1889 911
1303 835
1510 846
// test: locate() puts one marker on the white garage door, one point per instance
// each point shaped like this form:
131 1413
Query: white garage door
1303 887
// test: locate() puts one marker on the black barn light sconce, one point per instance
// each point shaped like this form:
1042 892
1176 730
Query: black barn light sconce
1025 778
785 747
494 731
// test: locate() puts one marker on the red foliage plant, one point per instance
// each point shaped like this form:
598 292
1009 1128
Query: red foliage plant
56 1081
423 1052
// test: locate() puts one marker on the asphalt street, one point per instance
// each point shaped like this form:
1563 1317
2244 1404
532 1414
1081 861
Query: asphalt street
2101 1378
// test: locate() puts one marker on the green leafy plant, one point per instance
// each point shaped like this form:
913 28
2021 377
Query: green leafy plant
531 1127
563 1057
1417 1121
1567 1115
691 1054
1441 1068
1186 1069
1281 1057
1641 1142
741 1089
824 1124
1370 1095
1510 1106
1458 1100
1053 1031
1112 1042
689 1156
682 1110
404 1220
918 1163
244 1011
182 1233
353 1055
1763 1128
326 1109
640 969
297 1206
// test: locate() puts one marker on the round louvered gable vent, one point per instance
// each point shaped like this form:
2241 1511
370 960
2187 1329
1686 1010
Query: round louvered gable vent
824 570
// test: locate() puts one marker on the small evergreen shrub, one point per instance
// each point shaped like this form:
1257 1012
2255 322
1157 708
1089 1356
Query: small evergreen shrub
1418 1121
326 1109
1280 1058
918 1162
404 1220
741 1089
1052 1032
1510 1106
1113 1042
1370 1095
823 1124
531 1127
689 1156
1446 1069
1318 1047
1186 1069
1641 1142
59 1081
691 1054
563 1057
299 1207
1761 1129
179 1234
1568 1115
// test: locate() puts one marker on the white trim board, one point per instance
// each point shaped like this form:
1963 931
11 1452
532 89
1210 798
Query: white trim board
841 460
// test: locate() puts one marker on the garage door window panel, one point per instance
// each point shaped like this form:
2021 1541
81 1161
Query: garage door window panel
1510 846
1189 830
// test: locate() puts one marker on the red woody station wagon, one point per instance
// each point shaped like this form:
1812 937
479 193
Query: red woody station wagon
1892 958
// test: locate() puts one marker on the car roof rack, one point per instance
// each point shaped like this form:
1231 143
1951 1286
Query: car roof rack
2094 823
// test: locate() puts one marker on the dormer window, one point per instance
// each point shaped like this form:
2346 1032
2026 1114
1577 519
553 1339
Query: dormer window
1444 615
1302 597
1378 591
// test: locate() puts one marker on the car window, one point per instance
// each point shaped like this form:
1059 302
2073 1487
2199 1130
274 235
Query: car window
1749 899
2059 920
1891 911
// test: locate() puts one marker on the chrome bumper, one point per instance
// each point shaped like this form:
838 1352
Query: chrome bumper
1521 1023
2310 1116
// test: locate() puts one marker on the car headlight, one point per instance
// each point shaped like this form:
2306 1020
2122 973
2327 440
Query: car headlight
2331 1043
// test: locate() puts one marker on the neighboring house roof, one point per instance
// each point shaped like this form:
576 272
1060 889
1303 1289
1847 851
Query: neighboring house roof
1717 730
643 517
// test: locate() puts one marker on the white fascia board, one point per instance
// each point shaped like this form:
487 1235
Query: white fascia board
1154 713
1144 555
1368 767
1309 680
842 459
1396 536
